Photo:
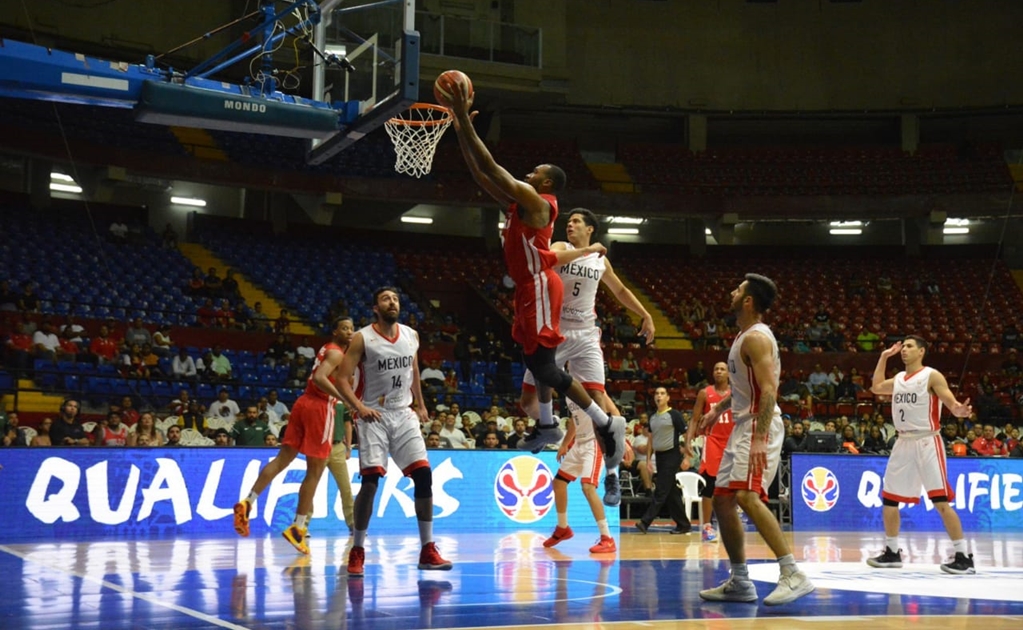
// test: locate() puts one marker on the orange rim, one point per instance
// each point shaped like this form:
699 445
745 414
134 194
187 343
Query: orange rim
423 123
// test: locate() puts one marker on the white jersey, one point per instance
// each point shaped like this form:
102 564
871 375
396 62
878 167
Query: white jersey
914 407
745 390
385 372
583 425
581 279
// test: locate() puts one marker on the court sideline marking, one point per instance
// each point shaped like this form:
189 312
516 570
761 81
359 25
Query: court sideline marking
152 599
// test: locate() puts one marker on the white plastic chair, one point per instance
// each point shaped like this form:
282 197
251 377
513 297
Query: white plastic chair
88 427
690 483
30 433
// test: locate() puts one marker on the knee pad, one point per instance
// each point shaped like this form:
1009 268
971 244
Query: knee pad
423 480
889 502
545 370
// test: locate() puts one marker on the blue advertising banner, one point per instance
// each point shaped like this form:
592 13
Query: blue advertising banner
843 493
156 492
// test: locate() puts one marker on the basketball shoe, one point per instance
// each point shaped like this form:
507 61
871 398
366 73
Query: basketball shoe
708 534
541 438
790 588
612 490
297 537
612 436
731 590
356 562
962 564
430 560
560 534
887 560
606 544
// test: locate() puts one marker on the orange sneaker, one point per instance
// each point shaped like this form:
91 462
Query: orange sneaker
356 562
297 538
241 517
560 534
606 544
430 560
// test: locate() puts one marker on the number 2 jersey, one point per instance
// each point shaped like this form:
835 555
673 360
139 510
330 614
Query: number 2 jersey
914 407
385 373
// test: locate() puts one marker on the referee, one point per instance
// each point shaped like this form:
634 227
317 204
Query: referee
666 427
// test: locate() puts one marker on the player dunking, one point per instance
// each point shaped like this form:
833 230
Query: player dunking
714 441
918 457
385 353
580 458
581 348
532 210
753 452
310 432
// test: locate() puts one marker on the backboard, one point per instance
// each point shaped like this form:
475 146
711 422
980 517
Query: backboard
379 42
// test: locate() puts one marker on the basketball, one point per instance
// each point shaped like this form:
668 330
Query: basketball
446 84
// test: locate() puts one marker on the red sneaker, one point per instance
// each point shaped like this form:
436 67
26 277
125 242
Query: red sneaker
560 534
356 560
430 560
241 517
606 544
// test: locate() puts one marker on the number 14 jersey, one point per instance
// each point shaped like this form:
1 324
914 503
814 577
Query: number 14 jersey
386 370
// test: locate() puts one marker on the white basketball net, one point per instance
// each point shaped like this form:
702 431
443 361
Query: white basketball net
415 134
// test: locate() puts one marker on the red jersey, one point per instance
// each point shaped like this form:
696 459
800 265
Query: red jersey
104 347
538 288
310 388
717 436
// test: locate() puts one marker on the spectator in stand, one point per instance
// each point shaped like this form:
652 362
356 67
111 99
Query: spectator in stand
28 301
988 445
137 333
649 366
306 349
846 391
192 418
630 368
113 432
263 406
229 287
697 375
1010 338
451 383
169 238
183 367
42 437
207 314
830 427
795 442
279 350
146 433
494 426
71 330
432 376
299 372
490 441
875 442
173 435
1011 366
614 366
626 331
152 362
259 321
69 348
850 442
283 323
104 347
665 376
197 283
162 344
221 438
857 379
134 366
220 365
13 435
212 283
271 440
820 384
223 406
224 314
8 298
129 415
274 404
451 434
19 350
67 431
867 340
433 440
45 343
251 430
950 436
518 434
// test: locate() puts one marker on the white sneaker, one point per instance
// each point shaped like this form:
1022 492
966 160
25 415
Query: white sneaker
731 591
789 589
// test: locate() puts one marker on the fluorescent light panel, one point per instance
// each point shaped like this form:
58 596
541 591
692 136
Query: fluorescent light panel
189 201
68 188
500 225
846 224
956 222
707 231
61 177
846 231
628 220
624 231
419 220
956 230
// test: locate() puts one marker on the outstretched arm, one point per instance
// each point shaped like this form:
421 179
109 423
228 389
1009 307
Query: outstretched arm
629 301
490 175
939 386
879 384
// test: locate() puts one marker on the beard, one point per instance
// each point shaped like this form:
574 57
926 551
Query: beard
388 318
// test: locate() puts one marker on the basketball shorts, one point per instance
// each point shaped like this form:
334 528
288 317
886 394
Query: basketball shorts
710 481
734 472
581 350
538 312
713 450
311 426
397 434
583 461
917 462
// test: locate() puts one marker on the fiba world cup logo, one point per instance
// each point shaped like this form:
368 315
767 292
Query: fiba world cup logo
820 489
523 489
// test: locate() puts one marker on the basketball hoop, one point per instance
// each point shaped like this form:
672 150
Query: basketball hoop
415 134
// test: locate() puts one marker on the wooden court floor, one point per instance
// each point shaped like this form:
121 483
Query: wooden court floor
507 581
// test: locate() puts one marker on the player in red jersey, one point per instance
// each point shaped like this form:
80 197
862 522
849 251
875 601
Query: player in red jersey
532 209
310 432
714 441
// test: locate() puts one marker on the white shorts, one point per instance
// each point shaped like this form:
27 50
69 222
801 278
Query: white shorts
917 461
395 433
583 461
581 350
734 473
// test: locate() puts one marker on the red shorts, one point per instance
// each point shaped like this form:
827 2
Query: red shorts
311 426
538 312
713 449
